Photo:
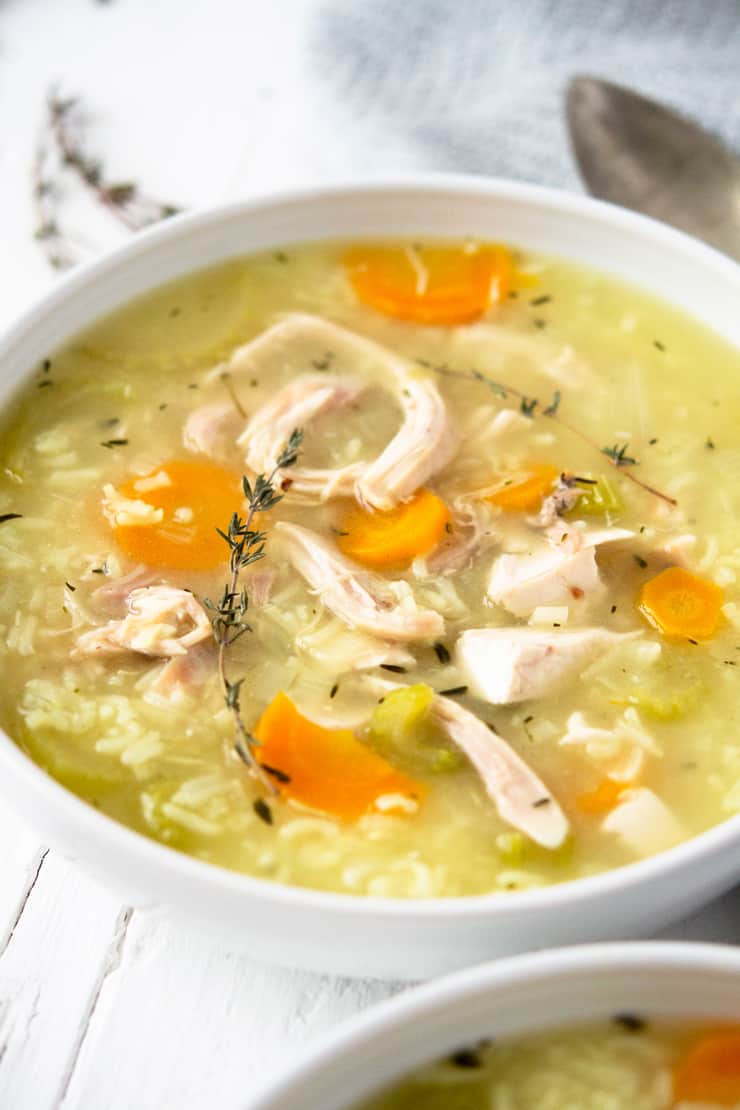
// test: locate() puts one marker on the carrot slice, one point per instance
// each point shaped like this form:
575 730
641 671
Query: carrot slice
328 769
396 537
196 498
679 603
430 285
527 491
710 1072
604 798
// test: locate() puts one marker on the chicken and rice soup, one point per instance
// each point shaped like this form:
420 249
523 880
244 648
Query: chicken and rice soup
625 1064
390 569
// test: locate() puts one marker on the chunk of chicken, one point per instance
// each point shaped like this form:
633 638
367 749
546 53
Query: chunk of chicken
424 444
472 533
211 429
643 823
336 650
560 573
521 583
181 676
619 751
508 665
161 621
520 796
295 406
359 598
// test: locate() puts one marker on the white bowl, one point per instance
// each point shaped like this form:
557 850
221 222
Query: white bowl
342 933
519 996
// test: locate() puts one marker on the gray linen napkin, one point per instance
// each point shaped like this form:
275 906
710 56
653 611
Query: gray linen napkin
477 85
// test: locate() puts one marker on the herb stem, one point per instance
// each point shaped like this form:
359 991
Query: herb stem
551 412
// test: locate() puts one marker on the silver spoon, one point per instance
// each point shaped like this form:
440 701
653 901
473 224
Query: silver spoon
637 153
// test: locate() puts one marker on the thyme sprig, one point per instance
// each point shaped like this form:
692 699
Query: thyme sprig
229 613
616 455
61 153
619 455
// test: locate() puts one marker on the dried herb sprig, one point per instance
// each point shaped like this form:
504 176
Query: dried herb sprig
61 151
616 456
246 546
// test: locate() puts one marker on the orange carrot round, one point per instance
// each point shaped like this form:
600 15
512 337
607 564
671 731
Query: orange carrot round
710 1071
442 285
328 770
679 603
526 492
196 498
396 537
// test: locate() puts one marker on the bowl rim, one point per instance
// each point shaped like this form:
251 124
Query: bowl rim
158 859
472 984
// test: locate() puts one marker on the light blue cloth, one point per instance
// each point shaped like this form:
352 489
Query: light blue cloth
477 85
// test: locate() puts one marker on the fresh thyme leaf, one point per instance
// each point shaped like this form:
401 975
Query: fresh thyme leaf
619 455
393 667
441 652
9 516
70 586
527 405
640 561
710 445
334 690
541 802
453 690
544 299
114 443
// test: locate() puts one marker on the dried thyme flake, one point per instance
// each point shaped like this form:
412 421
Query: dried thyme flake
263 811
631 1022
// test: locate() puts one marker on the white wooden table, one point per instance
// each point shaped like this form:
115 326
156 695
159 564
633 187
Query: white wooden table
101 1007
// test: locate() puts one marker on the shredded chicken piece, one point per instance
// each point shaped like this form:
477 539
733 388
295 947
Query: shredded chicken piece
161 621
295 406
182 675
424 444
112 595
470 535
520 796
619 750
561 572
562 499
337 650
644 823
211 429
359 598
509 665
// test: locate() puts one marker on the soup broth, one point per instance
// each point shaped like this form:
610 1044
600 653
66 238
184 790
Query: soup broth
625 1064
493 640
